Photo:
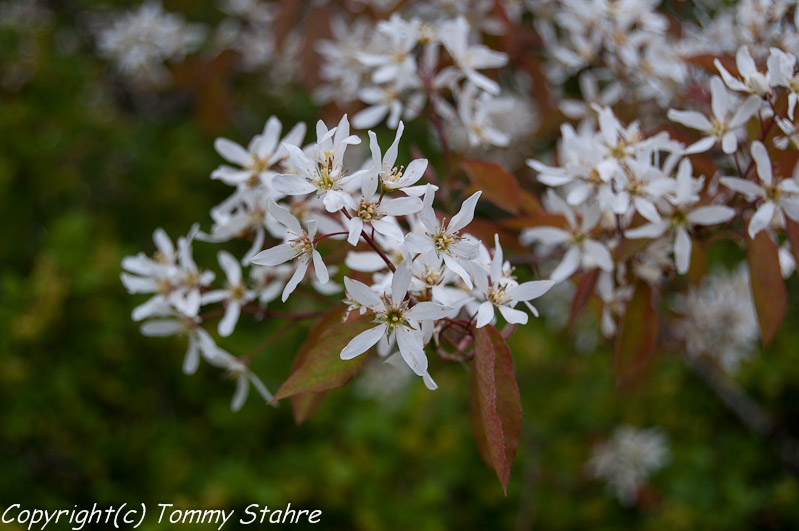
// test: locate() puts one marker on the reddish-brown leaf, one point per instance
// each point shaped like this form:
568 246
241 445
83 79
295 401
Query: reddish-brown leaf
497 411
699 265
499 186
303 406
585 288
768 288
637 336
792 229
535 220
318 366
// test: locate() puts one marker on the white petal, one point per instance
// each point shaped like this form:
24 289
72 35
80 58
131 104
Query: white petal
363 294
513 316
295 279
240 395
363 342
192 359
277 255
389 230
599 253
762 162
428 310
161 328
742 186
567 266
453 265
290 184
412 349
228 323
729 143
682 250
761 219
320 268
230 266
401 281
232 152
485 314
691 119
648 230
545 235
710 215
530 290
284 217
465 214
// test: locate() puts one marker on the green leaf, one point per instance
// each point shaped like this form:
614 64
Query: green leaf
318 366
498 184
768 288
496 405
637 337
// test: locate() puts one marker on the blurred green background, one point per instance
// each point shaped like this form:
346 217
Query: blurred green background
91 411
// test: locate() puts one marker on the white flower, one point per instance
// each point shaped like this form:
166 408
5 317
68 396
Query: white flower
385 171
140 41
777 197
396 320
373 210
681 216
395 61
262 155
446 241
721 127
324 171
238 369
503 295
781 73
581 249
628 459
474 112
754 82
299 246
235 295
468 58
200 342
719 319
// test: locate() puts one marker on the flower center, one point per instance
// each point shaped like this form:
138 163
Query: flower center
303 247
367 211
497 294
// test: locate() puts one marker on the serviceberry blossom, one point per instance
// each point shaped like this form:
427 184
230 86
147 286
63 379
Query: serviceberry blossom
141 41
397 320
582 251
777 197
753 81
446 241
321 171
234 295
627 460
504 293
299 247
726 123
682 213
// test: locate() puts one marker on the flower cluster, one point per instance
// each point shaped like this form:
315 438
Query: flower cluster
426 276
141 41
628 459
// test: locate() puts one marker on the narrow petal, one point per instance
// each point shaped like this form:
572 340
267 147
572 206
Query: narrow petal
363 294
230 266
295 279
742 186
512 315
762 162
682 250
465 214
284 217
710 215
485 314
567 266
232 152
240 395
276 255
428 310
530 290
363 342
228 323
412 349
319 267
401 281
761 219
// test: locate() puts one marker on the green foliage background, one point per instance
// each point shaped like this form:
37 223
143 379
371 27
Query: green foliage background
91 411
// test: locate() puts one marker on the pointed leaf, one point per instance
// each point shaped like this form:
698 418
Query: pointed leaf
585 288
318 366
768 288
303 406
637 335
499 186
497 416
